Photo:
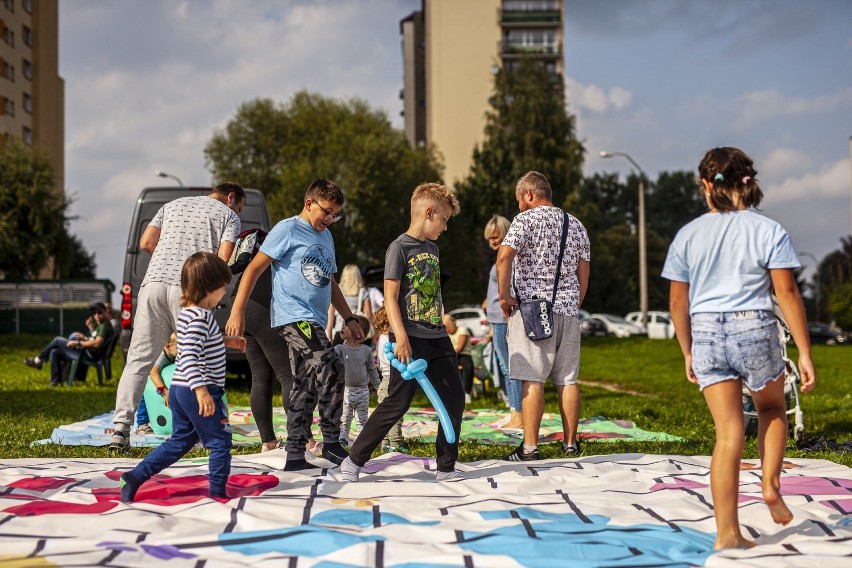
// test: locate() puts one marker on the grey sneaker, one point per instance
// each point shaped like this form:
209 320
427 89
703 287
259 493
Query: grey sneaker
144 430
30 362
120 441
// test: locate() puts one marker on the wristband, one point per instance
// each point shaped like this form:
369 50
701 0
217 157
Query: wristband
350 318
162 391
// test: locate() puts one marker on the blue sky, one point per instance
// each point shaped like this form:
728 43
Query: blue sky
148 81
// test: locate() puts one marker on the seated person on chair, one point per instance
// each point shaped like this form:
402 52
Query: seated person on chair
61 349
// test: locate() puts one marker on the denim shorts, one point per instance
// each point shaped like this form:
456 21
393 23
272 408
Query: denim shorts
731 345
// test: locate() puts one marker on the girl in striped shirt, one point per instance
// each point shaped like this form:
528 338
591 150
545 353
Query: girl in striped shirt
198 384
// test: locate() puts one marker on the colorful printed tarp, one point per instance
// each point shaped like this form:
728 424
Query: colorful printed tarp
419 423
617 510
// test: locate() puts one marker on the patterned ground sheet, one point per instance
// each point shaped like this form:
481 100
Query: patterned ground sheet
419 423
617 510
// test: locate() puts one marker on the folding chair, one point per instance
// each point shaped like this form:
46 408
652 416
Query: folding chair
103 365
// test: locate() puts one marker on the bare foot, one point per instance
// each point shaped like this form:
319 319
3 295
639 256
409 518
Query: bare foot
777 508
516 421
733 543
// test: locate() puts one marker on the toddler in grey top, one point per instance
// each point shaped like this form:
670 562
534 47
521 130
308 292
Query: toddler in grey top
360 373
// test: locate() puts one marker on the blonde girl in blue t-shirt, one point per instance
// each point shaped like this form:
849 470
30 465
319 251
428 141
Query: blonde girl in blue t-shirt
723 268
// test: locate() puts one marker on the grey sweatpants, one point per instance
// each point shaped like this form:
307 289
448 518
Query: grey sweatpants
157 309
317 381
356 403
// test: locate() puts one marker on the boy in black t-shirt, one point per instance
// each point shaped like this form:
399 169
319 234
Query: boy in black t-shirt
413 306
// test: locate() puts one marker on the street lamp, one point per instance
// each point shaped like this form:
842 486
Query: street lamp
170 176
643 249
816 278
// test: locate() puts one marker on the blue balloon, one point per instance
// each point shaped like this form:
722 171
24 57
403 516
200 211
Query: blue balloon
417 370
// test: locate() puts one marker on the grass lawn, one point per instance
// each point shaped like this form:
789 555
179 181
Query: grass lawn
629 379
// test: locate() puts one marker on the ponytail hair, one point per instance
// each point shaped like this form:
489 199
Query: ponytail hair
728 171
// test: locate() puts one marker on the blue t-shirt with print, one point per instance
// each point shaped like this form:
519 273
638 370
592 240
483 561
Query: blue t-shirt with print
726 259
302 268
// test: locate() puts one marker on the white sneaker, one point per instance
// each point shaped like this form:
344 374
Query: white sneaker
145 430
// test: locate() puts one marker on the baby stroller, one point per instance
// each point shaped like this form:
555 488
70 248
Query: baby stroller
795 426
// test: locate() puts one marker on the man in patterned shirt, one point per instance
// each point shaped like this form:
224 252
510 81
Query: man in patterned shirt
533 244
182 227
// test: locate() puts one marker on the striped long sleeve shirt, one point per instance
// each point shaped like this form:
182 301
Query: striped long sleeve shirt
201 351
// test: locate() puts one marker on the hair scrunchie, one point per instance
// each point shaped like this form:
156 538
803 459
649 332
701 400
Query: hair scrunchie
745 179
719 177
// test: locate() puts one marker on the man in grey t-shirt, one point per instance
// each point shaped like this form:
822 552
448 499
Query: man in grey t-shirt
179 229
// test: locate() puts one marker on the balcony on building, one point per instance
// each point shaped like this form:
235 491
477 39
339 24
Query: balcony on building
530 13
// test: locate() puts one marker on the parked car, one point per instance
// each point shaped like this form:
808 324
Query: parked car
660 324
473 318
828 334
253 216
618 326
590 325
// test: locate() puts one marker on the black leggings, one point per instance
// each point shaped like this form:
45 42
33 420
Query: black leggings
443 373
269 360
466 364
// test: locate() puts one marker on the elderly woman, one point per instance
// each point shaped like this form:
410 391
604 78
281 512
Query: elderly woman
495 231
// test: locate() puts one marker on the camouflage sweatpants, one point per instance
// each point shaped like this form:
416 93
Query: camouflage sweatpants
318 380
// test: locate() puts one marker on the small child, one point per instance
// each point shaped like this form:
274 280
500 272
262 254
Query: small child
167 357
413 305
198 385
359 372
393 442
723 266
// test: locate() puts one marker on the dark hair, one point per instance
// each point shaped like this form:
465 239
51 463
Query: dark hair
229 187
536 183
363 322
325 189
202 273
730 170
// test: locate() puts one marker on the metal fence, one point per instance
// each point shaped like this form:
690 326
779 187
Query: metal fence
47 307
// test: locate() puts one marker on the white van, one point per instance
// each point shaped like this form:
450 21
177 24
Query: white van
660 324
253 216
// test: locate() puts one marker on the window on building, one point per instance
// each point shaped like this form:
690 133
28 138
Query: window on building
27 135
28 103
8 106
28 6
28 36
10 5
8 35
28 70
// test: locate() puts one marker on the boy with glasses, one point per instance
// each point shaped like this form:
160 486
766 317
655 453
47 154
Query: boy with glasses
301 252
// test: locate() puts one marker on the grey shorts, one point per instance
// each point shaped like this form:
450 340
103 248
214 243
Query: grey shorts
557 357
727 346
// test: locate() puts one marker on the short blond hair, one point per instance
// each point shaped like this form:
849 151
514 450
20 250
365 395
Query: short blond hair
431 193
496 223
351 280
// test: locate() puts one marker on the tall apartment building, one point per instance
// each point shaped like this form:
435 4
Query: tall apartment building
451 51
32 94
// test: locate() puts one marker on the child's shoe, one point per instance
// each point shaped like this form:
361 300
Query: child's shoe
449 476
144 430
129 486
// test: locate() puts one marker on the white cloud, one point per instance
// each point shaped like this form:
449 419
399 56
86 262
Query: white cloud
759 105
595 98
827 181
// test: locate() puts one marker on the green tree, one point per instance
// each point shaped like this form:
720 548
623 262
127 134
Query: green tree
840 305
281 148
33 215
527 128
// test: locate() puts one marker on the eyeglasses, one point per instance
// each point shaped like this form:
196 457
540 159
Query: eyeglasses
334 216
